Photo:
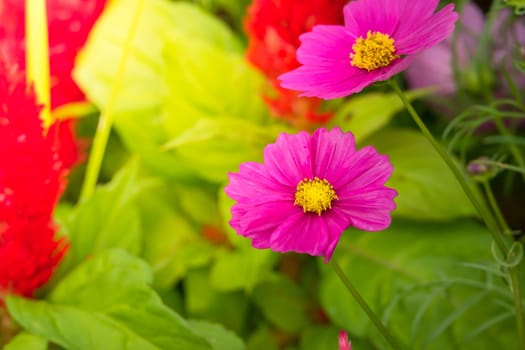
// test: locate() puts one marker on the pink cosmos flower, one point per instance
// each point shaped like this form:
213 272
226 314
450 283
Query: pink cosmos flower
309 189
344 343
379 39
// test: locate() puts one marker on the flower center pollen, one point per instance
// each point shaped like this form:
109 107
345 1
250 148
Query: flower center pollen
315 195
376 51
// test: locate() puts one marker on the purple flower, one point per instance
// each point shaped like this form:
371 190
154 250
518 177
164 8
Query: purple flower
434 67
309 189
379 39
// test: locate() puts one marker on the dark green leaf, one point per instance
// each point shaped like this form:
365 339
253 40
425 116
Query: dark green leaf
204 302
282 302
108 219
175 243
414 276
365 114
426 186
242 269
106 303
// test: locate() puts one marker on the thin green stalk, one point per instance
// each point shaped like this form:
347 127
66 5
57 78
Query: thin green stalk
516 154
106 117
369 312
481 208
483 211
515 283
495 207
503 165
512 271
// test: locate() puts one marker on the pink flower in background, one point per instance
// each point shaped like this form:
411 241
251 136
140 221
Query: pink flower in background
70 22
344 343
379 39
434 67
309 189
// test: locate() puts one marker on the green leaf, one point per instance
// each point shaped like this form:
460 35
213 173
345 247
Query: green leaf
106 303
365 114
206 81
159 19
27 341
212 148
262 339
219 337
414 277
215 118
427 188
319 338
283 303
141 94
174 216
242 269
204 302
108 219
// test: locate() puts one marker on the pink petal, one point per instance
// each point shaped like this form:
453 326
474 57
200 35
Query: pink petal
330 151
428 33
370 209
309 233
326 71
371 15
362 168
253 182
288 160
414 14
253 220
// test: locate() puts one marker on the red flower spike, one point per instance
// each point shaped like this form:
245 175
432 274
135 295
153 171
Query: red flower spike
273 28
70 22
31 180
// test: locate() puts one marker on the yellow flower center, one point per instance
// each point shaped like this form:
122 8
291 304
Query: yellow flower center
314 195
376 51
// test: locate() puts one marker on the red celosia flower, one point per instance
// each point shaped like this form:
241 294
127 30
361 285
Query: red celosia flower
273 28
70 22
31 179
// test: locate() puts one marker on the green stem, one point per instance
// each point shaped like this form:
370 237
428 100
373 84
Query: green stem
105 122
371 315
515 283
483 211
513 271
512 147
501 165
495 207
481 208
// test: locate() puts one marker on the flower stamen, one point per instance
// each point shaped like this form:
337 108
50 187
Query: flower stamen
315 195
376 51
